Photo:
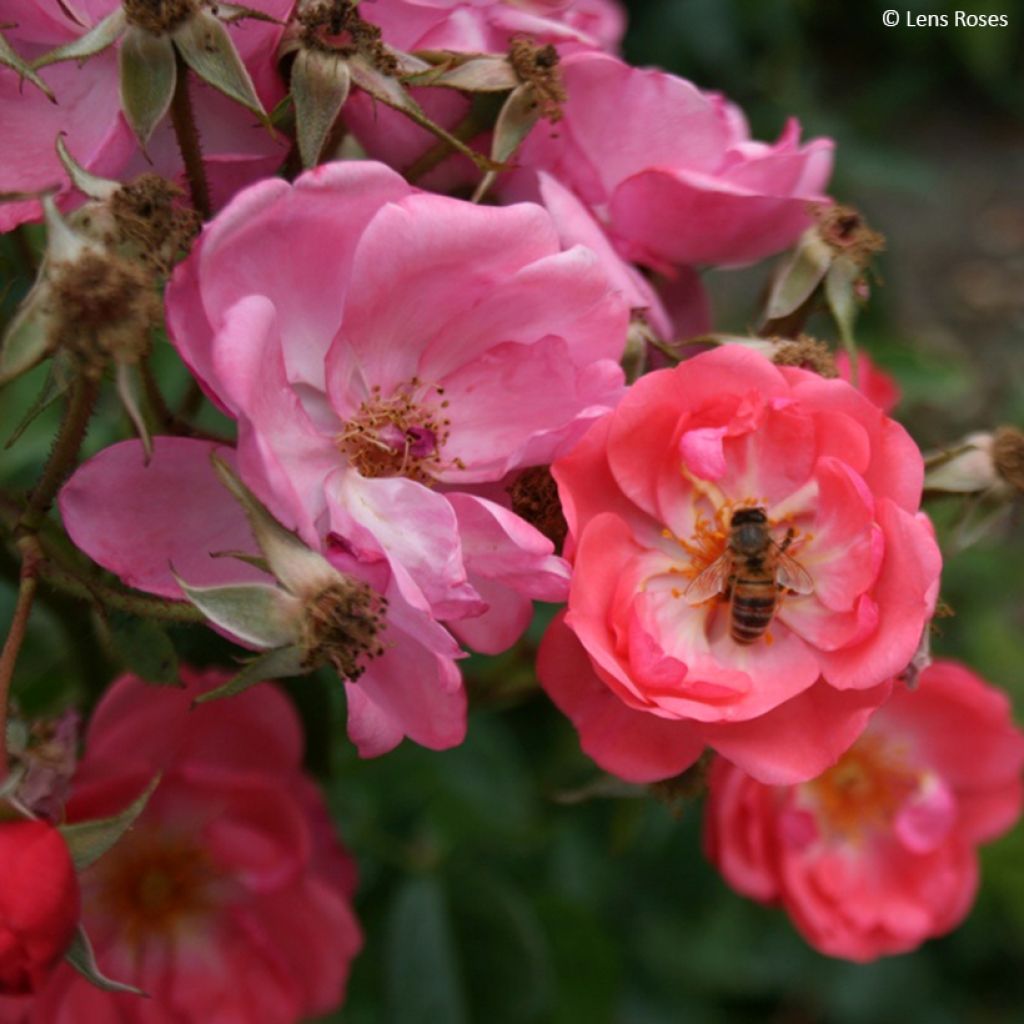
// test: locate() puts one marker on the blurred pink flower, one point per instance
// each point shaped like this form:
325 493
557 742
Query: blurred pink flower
671 172
237 149
230 898
39 904
383 348
649 496
879 853
876 385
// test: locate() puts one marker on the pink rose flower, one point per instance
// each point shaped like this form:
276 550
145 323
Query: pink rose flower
230 898
39 903
141 520
383 351
671 172
237 149
879 853
650 662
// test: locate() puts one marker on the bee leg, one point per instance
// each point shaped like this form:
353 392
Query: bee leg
788 539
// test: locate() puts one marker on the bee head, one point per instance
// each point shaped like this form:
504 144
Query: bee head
742 516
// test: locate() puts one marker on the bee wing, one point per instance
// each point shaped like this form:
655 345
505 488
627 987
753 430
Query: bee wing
789 573
713 580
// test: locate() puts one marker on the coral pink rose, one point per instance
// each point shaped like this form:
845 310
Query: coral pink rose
230 898
237 149
649 496
878 854
39 903
671 172
384 350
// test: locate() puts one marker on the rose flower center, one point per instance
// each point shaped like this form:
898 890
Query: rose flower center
155 882
400 435
865 790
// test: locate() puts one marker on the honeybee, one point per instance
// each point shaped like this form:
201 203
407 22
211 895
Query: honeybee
752 571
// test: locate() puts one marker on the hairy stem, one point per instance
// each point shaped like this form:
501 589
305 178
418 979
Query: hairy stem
187 134
63 455
27 585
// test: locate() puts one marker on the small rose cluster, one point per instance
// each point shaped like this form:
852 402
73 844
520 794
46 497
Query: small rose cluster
439 414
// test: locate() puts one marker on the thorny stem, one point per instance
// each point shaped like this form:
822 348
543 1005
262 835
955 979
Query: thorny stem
84 393
27 583
187 134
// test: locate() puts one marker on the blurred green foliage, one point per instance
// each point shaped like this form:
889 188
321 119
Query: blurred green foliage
486 898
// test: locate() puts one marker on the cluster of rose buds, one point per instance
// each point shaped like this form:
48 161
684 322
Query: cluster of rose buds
439 414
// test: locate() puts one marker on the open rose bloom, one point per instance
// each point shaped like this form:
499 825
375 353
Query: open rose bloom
879 853
648 675
230 897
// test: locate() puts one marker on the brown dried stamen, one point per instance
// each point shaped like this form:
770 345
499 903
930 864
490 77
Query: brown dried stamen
535 498
808 354
398 435
336 26
158 16
103 309
538 65
846 231
342 625
1008 455
149 220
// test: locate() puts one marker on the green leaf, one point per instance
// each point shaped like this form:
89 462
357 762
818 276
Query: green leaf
89 840
277 664
257 613
81 956
144 647
320 83
422 975
207 48
10 58
148 75
103 34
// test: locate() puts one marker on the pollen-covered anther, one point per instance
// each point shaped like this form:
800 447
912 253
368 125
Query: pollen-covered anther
342 625
398 435
534 497
807 353
538 65
158 16
335 26
103 309
1008 455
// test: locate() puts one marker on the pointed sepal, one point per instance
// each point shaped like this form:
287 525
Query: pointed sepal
277 664
89 840
9 58
148 75
520 112
103 34
320 85
92 185
80 955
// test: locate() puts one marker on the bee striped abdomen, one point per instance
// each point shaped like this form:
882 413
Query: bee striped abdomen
753 604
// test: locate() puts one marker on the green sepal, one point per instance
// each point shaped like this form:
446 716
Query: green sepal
89 840
798 277
148 71
256 613
207 48
320 85
519 113
103 34
9 58
81 956
92 185
276 664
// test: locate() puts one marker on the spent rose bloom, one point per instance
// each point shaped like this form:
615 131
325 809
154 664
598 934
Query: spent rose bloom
879 853
384 351
149 522
649 496
236 148
230 898
671 172
39 903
